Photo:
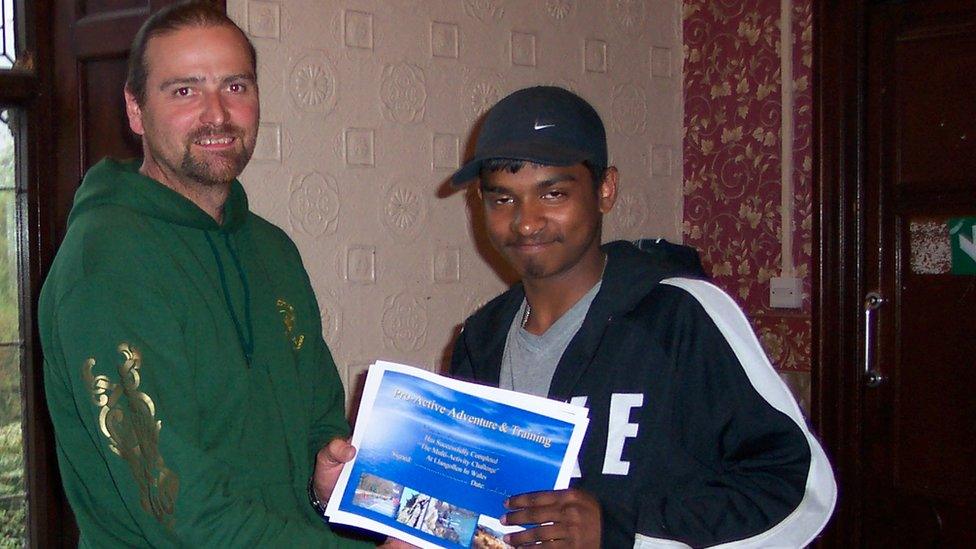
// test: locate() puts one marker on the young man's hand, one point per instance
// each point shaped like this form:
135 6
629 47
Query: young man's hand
328 465
566 518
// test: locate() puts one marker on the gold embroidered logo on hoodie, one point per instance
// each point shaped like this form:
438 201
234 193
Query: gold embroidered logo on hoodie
132 431
288 317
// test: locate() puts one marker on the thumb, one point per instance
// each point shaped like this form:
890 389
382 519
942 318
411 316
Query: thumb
337 451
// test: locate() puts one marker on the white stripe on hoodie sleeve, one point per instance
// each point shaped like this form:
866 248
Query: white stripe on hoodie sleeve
820 494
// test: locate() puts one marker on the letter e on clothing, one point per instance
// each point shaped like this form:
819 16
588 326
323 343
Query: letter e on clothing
620 430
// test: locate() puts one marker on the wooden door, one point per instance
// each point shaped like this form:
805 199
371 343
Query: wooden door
919 389
895 92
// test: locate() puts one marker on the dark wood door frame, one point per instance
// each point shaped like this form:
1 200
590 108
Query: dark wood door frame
856 102
840 50
49 522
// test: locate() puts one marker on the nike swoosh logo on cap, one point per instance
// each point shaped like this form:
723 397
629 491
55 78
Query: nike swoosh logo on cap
539 126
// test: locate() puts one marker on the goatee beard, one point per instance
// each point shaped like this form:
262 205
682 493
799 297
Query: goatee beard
533 269
219 169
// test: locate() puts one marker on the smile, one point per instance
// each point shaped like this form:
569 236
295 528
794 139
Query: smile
209 141
530 246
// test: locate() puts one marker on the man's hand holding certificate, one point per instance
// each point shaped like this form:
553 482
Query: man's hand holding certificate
437 458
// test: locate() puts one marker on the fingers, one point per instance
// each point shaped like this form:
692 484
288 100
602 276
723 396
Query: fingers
336 452
548 506
566 518
328 465
551 535
534 499
531 515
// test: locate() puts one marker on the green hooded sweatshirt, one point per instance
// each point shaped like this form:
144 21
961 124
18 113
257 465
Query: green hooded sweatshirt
185 370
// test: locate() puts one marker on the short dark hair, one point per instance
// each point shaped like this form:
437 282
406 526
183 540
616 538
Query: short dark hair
512 165
194 13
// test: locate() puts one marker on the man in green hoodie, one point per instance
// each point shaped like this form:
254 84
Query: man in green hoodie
194 400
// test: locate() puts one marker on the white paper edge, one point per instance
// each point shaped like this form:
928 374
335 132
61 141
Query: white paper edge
572 453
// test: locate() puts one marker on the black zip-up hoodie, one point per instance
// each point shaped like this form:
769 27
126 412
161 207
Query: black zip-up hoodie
692 435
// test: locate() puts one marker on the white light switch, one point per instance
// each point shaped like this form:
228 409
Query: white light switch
785 292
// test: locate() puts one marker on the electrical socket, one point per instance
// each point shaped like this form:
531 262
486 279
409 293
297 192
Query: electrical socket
785 292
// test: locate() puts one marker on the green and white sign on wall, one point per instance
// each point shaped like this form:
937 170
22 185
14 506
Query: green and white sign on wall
962 235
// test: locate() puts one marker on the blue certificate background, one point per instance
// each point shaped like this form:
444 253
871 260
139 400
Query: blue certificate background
401 426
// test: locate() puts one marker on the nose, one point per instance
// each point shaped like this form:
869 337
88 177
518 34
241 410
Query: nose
529 219
214 110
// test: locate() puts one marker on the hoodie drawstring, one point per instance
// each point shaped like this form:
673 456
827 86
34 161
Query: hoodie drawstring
246 340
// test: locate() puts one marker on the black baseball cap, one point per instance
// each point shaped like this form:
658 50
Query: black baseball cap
544 125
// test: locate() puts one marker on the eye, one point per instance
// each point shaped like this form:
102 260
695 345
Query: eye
554 194
237 87
498 199
182 92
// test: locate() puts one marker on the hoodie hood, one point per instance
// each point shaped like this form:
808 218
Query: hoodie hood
635 268
119 183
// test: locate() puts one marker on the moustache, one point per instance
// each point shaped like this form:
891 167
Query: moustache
535 241
214 131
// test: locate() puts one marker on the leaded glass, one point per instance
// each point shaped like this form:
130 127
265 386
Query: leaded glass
13 518
8 51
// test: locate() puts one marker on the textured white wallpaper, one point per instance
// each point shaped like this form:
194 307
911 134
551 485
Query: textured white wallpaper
369 106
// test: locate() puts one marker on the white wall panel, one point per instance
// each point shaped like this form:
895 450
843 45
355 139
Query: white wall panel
368 107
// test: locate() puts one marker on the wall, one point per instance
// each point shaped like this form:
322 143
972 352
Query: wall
366 111
735 196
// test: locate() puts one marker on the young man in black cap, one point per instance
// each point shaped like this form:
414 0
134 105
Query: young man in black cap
693 438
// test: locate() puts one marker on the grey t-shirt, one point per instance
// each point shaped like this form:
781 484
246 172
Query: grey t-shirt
529 361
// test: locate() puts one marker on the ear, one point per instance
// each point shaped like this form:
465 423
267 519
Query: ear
607 192
134 112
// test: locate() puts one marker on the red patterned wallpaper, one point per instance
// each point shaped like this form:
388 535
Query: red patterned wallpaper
733 160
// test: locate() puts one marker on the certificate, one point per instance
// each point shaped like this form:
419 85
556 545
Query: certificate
437 457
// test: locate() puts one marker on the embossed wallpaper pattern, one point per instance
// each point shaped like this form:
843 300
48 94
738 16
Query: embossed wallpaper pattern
733 161
367 108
